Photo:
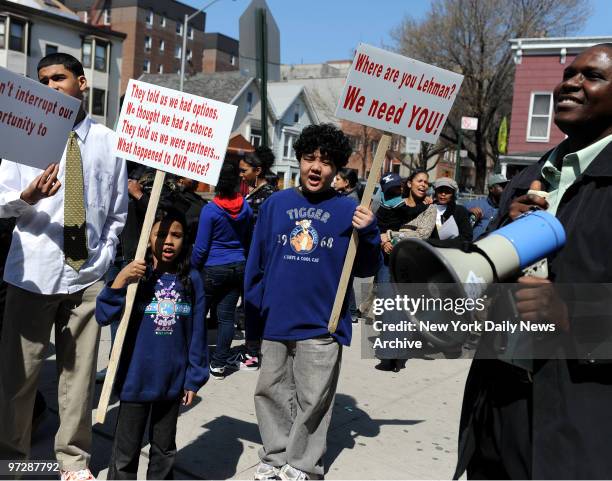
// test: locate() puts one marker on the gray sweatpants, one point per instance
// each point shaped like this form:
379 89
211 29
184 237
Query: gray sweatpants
294 399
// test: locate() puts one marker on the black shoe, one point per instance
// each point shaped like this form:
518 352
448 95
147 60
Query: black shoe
389 365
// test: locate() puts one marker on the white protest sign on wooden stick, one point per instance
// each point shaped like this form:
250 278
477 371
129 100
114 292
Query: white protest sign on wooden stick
34 120
174 132
397 95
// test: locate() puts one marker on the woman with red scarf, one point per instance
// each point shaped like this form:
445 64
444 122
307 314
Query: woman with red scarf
219 253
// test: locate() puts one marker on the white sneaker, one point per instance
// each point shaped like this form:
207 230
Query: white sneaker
82 475
265 471
289 473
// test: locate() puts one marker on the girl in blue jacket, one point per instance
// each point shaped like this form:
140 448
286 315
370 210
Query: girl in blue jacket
165 359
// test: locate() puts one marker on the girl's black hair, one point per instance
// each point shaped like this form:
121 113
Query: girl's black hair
328 139
349 175
229 180
183 261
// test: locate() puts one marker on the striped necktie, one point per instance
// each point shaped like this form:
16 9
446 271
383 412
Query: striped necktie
75 232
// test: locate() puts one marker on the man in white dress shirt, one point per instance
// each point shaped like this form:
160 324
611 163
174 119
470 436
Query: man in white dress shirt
53 273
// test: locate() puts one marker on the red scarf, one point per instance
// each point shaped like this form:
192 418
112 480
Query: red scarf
232 205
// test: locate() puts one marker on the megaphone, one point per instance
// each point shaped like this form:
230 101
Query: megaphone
496 258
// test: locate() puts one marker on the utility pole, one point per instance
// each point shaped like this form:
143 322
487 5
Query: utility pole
262 47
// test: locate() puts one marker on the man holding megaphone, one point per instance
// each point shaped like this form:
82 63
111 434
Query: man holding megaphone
550 418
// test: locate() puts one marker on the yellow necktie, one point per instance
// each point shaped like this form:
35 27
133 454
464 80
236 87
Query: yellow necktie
75 231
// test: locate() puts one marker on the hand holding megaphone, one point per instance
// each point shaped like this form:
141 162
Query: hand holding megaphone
535 199
539 300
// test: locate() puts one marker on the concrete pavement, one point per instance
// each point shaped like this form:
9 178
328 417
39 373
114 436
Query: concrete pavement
384 426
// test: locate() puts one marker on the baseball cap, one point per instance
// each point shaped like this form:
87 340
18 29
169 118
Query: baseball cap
496 179
446 182
390 180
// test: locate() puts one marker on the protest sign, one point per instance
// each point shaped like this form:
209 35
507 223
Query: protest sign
173 131
398 94
34 120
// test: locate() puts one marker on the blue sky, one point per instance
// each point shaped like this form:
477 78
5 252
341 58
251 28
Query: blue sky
314 31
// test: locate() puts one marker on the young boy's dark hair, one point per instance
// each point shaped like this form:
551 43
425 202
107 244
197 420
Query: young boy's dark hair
67 60
328 139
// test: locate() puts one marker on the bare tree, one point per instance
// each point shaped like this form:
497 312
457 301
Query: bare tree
471 37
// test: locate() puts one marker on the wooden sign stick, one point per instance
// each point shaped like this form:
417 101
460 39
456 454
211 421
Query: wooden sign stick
141 250
345 277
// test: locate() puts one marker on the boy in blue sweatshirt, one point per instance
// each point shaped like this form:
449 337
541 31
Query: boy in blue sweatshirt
292 275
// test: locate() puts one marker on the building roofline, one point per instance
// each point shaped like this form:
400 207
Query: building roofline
242 90
90 29
555 44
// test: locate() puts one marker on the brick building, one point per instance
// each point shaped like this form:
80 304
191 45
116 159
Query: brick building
154 30
220 53
29 32
539 68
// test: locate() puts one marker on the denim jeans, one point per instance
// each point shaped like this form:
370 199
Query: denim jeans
222 285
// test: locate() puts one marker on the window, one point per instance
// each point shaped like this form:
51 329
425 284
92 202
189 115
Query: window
107 16
373 145
162 21
160 68
256 138
150 17
288 152
98 105
86 55
179 27
162 45
190 32
189 54
249 102
17 35
49 49
146 67
177 51
233 60
2 31
100 60
296 114
85 16
147 43
538 128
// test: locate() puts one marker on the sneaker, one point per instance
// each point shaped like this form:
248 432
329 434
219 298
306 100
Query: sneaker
243 361
290 473
82 475
217 372
265 471
250 363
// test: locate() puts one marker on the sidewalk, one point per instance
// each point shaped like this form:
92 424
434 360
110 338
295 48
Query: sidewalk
385 425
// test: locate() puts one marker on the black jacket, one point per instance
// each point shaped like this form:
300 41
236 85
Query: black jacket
570 400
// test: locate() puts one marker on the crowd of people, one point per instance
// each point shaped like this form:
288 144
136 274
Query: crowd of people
80 218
